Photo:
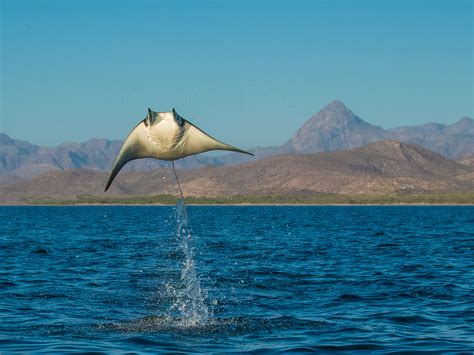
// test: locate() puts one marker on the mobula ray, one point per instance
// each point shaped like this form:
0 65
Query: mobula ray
165 136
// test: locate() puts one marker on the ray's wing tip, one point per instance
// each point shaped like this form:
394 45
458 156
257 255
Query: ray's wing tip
109 182
238 150
244 152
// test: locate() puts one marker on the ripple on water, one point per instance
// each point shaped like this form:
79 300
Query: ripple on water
236 326
288 279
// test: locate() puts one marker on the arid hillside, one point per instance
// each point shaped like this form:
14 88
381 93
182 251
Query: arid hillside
378 168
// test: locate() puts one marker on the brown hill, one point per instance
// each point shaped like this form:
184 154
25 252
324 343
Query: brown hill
382 167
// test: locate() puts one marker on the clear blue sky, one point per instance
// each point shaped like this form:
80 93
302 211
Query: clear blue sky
248 72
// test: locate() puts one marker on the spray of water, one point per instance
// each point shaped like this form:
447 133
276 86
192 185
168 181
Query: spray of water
189 299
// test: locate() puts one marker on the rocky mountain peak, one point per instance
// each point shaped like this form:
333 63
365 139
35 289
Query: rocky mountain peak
5 139
464 126
465 123
334 127
333 114
465 120
336 106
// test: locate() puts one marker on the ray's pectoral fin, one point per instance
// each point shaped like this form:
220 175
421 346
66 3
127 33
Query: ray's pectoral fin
200 141
119 164
231 148
133 148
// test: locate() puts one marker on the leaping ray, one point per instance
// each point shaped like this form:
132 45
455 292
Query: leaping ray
165 136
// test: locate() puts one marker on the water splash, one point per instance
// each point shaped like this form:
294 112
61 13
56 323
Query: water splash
189 298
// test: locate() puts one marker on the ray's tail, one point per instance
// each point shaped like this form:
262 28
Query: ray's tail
177 180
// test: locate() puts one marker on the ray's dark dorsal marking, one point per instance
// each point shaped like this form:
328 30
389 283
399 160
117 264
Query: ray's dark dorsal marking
165 136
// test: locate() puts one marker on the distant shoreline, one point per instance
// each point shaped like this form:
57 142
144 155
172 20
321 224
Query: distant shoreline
237 204
438 199
244 205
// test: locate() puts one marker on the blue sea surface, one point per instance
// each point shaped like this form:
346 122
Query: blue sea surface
288 278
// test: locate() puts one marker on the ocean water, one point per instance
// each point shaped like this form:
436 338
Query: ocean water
233 279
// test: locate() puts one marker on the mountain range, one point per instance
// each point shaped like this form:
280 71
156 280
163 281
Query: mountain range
386 167
333 128
336 127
